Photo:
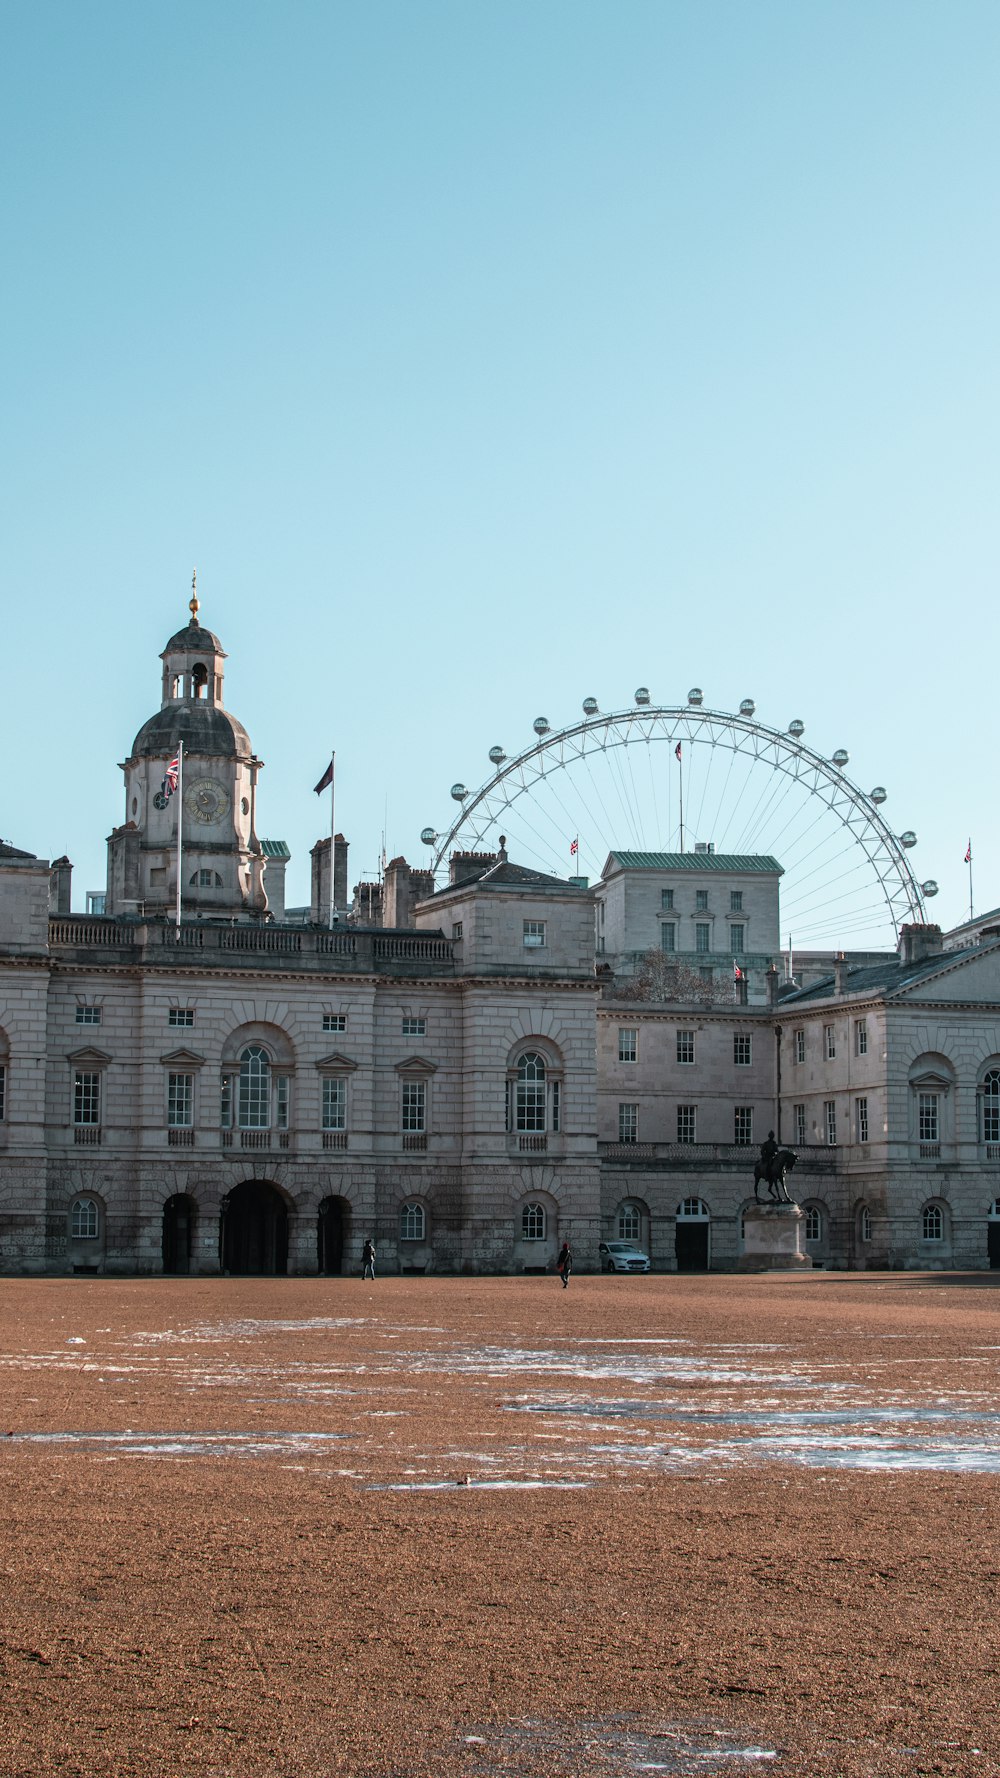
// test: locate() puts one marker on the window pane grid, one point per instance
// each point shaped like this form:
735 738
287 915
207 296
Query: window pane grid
180 1101
254 1105
87 1099
687 1117
335 1103
743 1124
414 1107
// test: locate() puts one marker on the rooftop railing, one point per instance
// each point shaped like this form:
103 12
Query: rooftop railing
366 951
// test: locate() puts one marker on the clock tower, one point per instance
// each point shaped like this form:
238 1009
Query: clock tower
214 797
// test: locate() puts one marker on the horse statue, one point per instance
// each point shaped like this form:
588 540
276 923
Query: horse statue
773 1172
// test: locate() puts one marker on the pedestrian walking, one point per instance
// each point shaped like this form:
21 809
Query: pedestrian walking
564 1264
368 1260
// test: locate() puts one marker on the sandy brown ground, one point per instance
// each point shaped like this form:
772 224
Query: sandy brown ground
282 1610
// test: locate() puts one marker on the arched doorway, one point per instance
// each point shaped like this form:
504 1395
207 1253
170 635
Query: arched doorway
993 1235
331 1235
691 1235
179 1216
253 1235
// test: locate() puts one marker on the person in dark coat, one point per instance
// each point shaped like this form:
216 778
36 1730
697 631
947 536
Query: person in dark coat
564 1264
368 1261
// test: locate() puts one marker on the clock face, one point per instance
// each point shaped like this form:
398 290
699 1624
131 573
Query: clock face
205 799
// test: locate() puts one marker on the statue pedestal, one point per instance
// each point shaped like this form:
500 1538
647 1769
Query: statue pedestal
774 1239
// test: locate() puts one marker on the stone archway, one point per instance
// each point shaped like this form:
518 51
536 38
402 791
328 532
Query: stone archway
332 1226
253 1231
179 1217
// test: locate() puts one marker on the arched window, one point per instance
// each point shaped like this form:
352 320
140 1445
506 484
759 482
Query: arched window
864 1223
412 1222
932 1221
693 1209
814 1223
991 1105
199 680
530 1093
533 1222
84 1220
254 1098
629 1222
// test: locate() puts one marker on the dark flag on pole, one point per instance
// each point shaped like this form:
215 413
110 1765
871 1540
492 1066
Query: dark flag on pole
326 780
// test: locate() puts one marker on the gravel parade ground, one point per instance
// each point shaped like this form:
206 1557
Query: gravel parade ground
291 1528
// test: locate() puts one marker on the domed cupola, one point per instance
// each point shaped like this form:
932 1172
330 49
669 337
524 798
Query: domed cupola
215 801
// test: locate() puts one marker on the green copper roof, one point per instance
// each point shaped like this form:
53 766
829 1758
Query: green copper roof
275 849
730 862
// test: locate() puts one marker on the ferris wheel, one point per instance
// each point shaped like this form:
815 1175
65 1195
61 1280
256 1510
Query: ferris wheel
674 778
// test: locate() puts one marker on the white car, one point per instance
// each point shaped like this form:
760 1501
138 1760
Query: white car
622 1256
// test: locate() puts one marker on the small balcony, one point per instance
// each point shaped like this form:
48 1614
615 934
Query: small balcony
335 1140
415 1142
87 1135
180 1138
256 1139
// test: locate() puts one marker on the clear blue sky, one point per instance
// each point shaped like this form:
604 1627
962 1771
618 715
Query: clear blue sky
484 356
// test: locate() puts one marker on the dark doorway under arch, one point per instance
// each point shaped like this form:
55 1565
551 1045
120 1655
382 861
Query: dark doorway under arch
253 1237
179 1216
331 1235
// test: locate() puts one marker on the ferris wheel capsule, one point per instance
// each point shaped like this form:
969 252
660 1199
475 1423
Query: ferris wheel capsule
642 694
796 727
590 706
428 836
497 755
879 794
841 757
908 838
929 888
747 707
695 695
459 792
541 725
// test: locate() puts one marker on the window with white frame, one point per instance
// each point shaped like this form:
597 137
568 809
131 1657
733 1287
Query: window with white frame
928 1119
736 901
88 1014
412 1222
530 1094
742 1049
282 1093
865 1223
628 1123
990 1101
414 1107
335 1021
628 1044
932 1222
861 1120
743 1125
685 1047
829 1042
861 1037
180 1101
86 1097
668 935
457 930
533 1222
629 1222
799 1046
181 1016
702 937
736 938
687 1123
666 900
799 1115
254 1089
413 1026
814 1224
226 1102
830 1119
701 901
334 1102
84 1220
534 935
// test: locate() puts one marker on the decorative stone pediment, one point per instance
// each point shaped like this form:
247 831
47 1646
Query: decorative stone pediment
182 1059
336 1063
930 1081
89 1058
416 1067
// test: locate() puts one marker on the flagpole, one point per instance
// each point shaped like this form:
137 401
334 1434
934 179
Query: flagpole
680 769
333 840
969 857
180 821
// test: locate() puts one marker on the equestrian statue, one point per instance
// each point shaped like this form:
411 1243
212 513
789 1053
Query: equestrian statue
774 1164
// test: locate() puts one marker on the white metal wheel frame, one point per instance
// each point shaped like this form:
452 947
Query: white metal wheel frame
483 810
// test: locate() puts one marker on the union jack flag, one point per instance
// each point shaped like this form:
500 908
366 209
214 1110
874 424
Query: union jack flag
574 848
169 784
738 975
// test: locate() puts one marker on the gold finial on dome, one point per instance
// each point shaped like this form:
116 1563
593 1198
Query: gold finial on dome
193 605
